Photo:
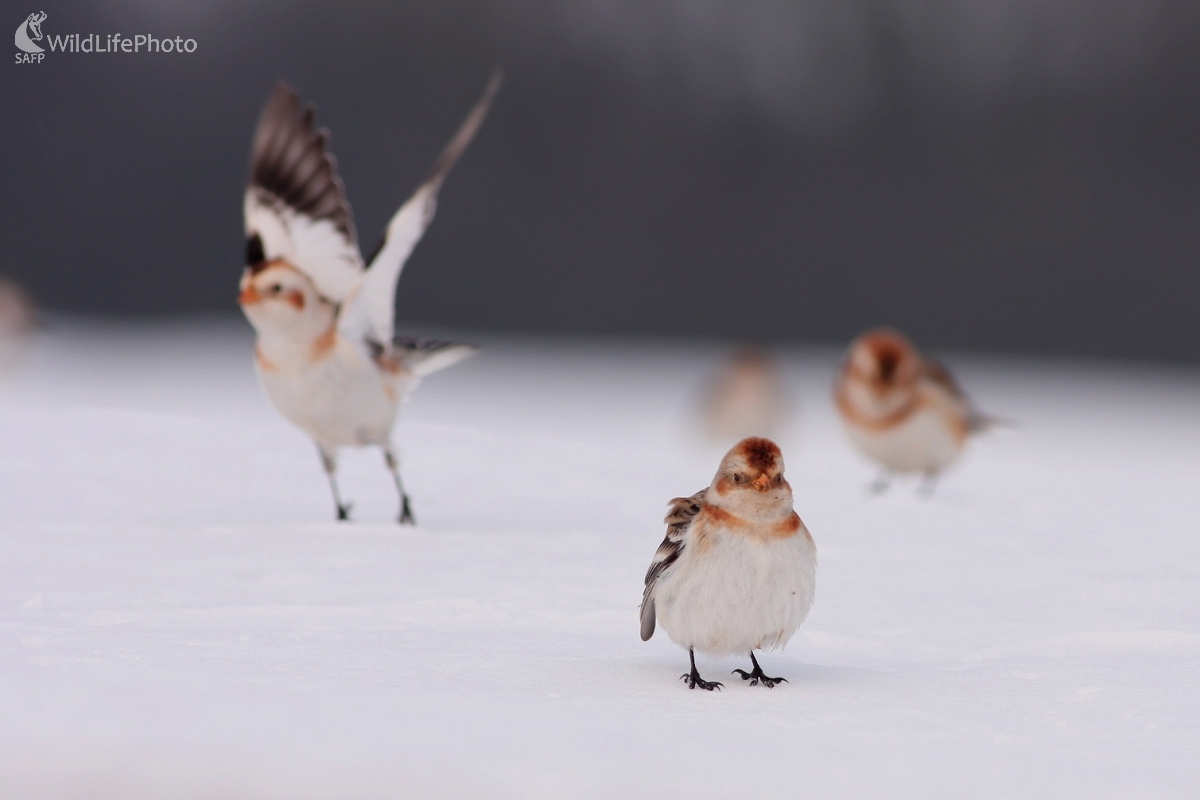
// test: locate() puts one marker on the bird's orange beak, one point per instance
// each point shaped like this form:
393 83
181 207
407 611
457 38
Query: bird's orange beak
249 295
761 483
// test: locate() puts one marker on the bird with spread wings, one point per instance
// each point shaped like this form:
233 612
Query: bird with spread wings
326 349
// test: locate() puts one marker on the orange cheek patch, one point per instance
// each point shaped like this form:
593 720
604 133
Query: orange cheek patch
296 299
249 296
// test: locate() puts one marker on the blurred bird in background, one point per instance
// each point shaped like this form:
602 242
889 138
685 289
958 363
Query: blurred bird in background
18 318
902 409
744 397
326 351
737 570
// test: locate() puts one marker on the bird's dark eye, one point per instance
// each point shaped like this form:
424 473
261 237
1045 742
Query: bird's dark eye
779 479
739 477
276 288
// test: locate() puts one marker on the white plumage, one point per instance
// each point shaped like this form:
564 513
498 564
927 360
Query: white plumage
901 409
316 247
737 570
326 351
924 441
735 593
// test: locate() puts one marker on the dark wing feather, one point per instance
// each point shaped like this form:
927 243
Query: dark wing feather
295 205
291 161
679 518
937 373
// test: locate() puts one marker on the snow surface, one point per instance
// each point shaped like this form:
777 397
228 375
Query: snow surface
179 616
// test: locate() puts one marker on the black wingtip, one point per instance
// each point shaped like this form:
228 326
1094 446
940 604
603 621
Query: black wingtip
495 81
283 92
465 133
291 161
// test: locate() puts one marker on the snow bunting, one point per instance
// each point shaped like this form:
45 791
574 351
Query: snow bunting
18 318
325 351
902 409
744 396
737 570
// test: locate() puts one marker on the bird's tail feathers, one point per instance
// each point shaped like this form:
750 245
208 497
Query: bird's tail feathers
426 356
647 618
985 423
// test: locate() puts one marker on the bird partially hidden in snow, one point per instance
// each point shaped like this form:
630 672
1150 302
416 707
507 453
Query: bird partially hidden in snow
737 570
326 351
902 409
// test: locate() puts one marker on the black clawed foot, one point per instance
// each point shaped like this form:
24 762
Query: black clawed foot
756 677
343 512
406 515
694 681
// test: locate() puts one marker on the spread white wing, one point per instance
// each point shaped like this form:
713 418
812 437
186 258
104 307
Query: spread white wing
295 205
369 311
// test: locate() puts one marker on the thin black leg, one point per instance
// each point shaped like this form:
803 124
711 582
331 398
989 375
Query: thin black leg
881 483
406 515
758 676
693 679
329 462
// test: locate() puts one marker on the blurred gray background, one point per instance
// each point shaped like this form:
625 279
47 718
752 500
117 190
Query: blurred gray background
1000 175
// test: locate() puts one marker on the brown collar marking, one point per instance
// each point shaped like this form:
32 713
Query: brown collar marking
875 423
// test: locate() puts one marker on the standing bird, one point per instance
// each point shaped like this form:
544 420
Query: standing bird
18 319
737 570
325 352
744 397
902 409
